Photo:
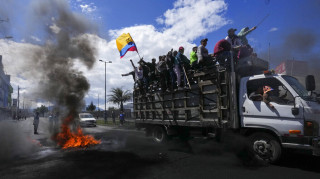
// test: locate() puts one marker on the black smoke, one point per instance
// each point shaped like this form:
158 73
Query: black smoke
66 40
301 44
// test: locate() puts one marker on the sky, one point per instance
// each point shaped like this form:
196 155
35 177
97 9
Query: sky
156 26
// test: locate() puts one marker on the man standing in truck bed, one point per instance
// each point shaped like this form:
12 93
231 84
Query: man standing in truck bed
202 52
243 33
222 52
180 62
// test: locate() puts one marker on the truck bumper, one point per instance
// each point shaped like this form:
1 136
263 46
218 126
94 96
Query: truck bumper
316 146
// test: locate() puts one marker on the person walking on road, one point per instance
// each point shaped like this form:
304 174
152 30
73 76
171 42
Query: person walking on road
121 117
51 122
36 123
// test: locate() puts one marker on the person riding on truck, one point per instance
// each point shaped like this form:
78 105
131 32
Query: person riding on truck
257 95
193 57
139 76
146 70
233 39
222 52
180 63
266 90
243 33
246 50
162 69
170 67
152 69
202 52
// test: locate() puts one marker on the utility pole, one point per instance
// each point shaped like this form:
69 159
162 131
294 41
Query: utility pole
105 88
18 101
269 56
105 92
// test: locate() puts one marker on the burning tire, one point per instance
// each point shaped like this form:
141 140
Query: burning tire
265 147
159 134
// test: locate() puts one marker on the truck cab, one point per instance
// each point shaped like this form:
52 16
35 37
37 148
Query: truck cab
294 120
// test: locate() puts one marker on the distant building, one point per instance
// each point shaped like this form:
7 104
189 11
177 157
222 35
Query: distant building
297 69
5 87
293 68
14 102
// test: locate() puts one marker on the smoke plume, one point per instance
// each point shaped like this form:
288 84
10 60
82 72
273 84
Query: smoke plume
67 40
14 142
298 44
302 45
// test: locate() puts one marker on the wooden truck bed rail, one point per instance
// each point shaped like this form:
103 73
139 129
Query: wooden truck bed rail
205 104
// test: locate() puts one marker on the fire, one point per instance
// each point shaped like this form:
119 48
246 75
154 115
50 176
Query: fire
68 139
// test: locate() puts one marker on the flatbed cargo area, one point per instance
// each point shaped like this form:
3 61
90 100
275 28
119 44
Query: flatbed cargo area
206 104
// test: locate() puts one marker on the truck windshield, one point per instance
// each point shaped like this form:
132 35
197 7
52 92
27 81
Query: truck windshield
298 87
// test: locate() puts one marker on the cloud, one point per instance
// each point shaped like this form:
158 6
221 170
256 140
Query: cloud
185 22
273 29
35 38
17 62
190 19
88 8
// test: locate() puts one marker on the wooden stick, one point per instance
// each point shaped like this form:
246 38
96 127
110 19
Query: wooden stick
262 20
185 74
138 54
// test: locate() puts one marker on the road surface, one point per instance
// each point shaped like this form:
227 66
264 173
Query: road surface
129 154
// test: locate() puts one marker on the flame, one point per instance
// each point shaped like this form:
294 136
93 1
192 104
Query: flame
68 139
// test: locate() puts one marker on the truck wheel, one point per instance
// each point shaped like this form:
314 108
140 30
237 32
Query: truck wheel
159 134
265 147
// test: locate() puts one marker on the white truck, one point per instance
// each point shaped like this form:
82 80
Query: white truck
219 101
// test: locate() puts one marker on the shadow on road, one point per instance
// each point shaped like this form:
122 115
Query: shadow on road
105 164
300 161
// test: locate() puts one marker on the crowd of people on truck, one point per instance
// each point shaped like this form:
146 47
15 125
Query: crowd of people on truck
171 69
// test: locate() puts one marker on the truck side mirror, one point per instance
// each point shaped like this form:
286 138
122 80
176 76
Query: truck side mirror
295 111
310 83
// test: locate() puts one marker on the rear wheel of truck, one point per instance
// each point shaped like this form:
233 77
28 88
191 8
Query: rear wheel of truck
265 147
159 134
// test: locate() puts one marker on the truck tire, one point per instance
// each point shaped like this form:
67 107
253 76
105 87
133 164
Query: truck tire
265 147
159 134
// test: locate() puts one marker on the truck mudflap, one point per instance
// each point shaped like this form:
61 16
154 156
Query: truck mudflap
316 146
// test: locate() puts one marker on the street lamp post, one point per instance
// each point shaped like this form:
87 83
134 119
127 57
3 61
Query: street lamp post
5 20
105 88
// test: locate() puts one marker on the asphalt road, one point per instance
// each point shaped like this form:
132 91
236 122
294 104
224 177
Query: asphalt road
129 154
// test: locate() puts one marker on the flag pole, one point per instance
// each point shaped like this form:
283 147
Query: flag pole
138 54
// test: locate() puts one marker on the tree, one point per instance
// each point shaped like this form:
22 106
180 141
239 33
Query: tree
91 107
42 109
119 96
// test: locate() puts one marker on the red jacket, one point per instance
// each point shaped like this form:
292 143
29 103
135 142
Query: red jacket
221 46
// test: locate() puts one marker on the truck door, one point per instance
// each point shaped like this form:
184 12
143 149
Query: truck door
257 114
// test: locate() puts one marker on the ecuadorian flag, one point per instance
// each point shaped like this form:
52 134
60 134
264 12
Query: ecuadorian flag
125 43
